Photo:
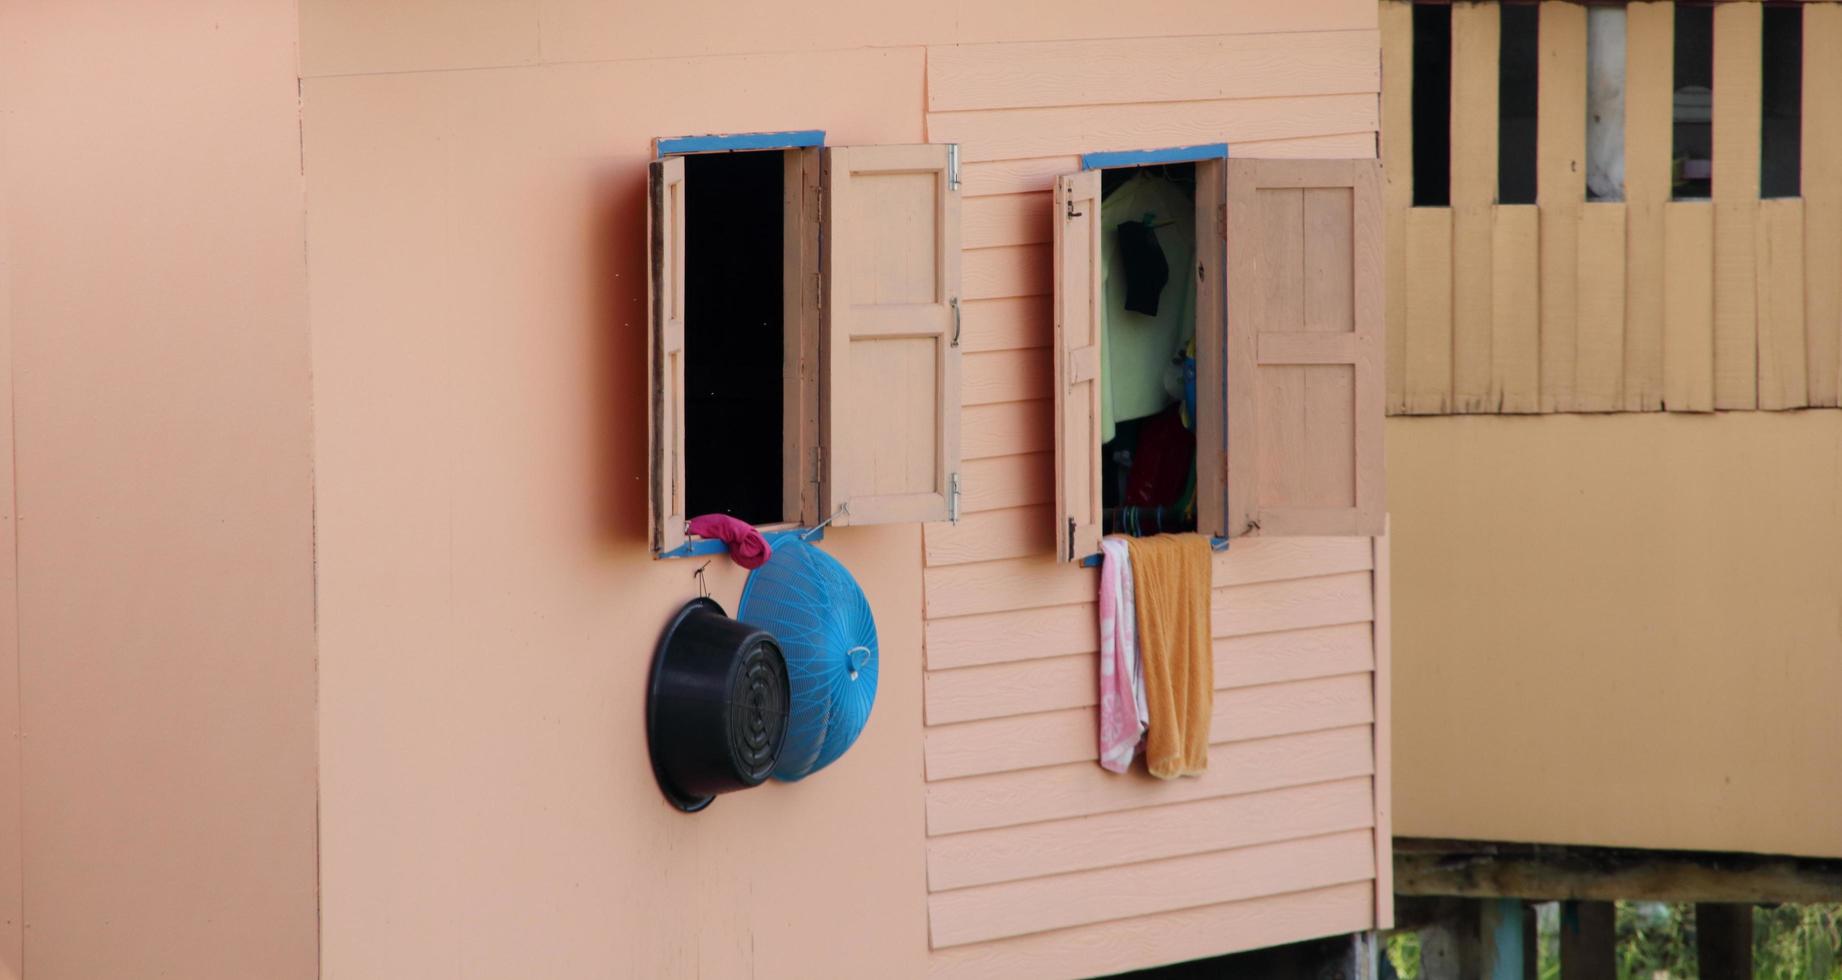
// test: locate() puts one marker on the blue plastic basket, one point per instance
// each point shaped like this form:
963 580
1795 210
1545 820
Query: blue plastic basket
818 613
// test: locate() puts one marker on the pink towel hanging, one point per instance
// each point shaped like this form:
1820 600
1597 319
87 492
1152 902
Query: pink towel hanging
1122 693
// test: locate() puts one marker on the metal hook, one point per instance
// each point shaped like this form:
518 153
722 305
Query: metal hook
703 585
820 526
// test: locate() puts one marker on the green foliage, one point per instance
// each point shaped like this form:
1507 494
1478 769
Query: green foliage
1404 954
1797 942
1548 940
1790 942
1656 940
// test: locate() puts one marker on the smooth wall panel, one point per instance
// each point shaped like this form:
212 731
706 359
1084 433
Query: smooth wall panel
487 603
161 471
12 857
1660 587
351 37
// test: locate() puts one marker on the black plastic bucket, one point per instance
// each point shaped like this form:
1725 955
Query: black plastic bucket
716 716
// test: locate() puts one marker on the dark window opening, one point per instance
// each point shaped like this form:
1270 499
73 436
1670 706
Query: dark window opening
1692 156
1518 74
733 335
1148 451
1782 88
1432 105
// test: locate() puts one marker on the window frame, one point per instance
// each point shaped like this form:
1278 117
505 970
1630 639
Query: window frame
811 471
799 150
1262 349
1211 346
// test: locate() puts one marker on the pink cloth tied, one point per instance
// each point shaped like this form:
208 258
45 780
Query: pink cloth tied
746 545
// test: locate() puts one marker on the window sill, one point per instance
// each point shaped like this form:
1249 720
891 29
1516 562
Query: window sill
1215 544
710 546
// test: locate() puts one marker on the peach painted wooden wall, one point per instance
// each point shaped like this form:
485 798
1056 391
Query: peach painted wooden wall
333 602
1038 860
1639 305
157 662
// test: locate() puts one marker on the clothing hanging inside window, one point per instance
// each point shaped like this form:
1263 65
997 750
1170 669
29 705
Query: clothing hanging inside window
1137 347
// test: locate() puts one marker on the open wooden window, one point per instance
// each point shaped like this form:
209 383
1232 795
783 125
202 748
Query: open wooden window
1177 205
1304 347
1287 407
804 344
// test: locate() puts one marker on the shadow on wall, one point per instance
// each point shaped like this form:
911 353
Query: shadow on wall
616 255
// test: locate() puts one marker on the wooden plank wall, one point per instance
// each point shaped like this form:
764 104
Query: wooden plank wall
1039 861
1646 304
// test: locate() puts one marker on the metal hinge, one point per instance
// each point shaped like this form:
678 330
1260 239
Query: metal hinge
1071 539
818 291
1221 222
818 206
953 499
952 166
954 302
818 459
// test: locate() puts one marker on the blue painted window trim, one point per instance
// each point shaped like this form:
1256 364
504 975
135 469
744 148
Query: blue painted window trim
1143 158
710 546
789 140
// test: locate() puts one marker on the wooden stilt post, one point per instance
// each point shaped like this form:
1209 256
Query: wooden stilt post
1500 934
1469 938
1723 941
1588 941
1531 943
1364 957
1449 947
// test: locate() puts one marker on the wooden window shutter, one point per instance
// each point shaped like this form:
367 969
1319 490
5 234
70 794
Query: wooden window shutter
889 367
1211 350
1078 310
665 351
1304 347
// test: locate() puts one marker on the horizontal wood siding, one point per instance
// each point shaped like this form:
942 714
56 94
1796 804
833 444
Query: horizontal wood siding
1129 836
1645 304
1039 861
1081 898
1169 937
